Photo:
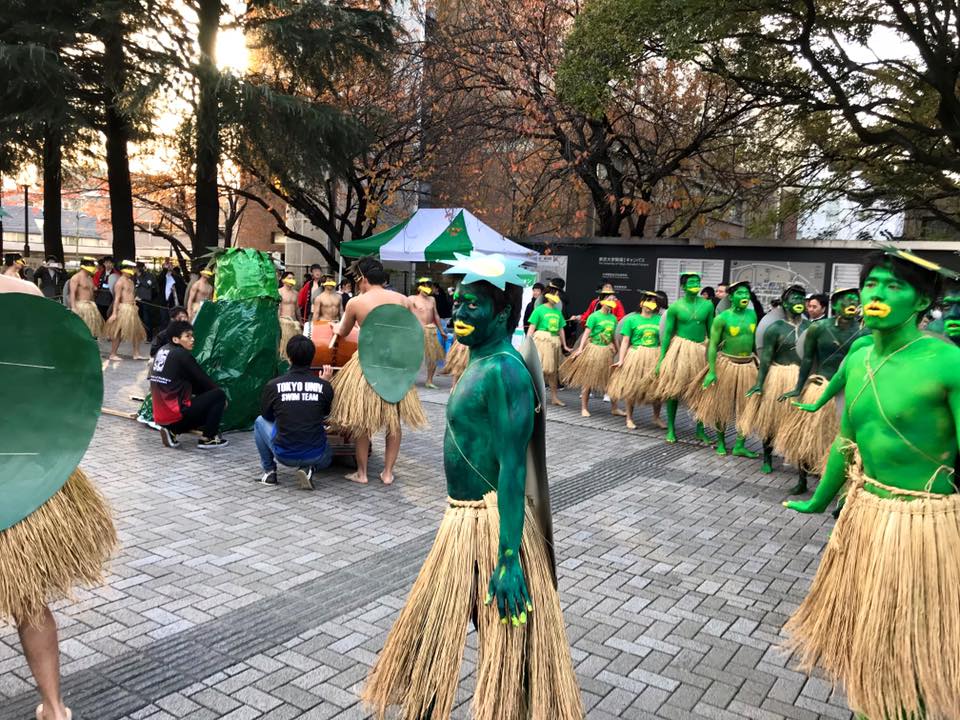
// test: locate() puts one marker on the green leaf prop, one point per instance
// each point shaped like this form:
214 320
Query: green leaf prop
50 368
391 350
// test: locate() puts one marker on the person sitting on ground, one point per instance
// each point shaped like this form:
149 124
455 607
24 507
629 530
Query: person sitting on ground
174 376
163 337
291 428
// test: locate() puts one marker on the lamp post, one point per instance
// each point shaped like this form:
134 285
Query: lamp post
39 222
26 220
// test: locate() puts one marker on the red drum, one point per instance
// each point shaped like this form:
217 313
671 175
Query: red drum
321 332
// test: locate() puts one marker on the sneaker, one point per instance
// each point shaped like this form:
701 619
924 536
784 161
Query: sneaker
168 438
218 441
305 478
269 478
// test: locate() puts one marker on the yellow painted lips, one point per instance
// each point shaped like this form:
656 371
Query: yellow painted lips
851 310
876 309
462 329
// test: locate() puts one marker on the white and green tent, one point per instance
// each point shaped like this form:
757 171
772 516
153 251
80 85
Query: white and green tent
432 234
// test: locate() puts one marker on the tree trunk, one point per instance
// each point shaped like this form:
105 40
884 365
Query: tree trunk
208 132
52 182
117 132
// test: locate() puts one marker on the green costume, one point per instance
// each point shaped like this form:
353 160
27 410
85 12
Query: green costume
642 331
601 326
491 559
548 323
633 378
683 356
547 319
590 366
731 370
882 615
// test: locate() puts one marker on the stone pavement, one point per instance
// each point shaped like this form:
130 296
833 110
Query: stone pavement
234 600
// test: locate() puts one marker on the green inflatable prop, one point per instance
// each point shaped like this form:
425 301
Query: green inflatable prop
391 350
51 368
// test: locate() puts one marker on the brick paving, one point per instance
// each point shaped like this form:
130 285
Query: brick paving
229 599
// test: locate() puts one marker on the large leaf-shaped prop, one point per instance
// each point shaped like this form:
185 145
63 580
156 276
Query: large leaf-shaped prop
391 350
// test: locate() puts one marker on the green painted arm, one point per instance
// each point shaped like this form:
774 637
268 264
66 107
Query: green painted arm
836 384
806 362
716 334
834 476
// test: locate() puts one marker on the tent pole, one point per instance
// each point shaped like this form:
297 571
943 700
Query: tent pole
340 269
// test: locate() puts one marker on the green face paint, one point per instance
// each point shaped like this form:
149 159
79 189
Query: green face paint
793 304
474 318
847 304
740 297
951 317
888 301
692 286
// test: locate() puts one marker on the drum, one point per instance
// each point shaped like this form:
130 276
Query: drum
321 332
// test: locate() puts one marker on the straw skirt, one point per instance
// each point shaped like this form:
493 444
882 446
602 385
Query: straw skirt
523 671
683 362
590 370
432 349
125 325
882 616
764 414
725 400
456 361
289 329
549 350
805 439
632 380
91 317
66 542
358 410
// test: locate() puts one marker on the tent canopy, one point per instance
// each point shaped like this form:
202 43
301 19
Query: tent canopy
435 234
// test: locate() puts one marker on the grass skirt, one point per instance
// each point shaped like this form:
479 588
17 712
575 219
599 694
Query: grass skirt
549 350
91 317
64 543
684 361
456 361
632 380
590 370
358 410
432 349
764 414
805 439
125 325
289 329
725 400
882 615
522 672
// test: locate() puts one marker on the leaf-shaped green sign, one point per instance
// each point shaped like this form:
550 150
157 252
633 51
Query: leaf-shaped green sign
391 350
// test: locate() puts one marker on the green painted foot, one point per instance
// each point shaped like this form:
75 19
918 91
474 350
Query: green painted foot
766 468
721 449
742 451
702 435
671 436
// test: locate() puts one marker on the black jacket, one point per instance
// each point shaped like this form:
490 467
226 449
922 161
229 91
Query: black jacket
175 376
50 281
298 402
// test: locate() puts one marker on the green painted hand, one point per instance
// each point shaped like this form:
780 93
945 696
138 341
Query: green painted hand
509 588
806 407
710 379
805 506
791 394
755 390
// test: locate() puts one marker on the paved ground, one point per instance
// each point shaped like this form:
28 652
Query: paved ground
234 600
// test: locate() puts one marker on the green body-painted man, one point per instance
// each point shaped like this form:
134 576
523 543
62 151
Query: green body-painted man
733 340
682 355
882 614
779 370
491 560
948 324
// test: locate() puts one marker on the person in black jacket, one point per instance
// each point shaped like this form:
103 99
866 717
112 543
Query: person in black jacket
528 311
175 376
291 428
51 278
163 337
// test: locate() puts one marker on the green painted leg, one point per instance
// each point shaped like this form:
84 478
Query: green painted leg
767 467
702 434
801 487
672 420
721 439
740 449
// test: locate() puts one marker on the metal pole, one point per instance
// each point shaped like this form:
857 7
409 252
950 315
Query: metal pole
1 215
26 221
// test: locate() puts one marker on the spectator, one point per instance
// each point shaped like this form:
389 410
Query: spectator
291 428
817 306
174 376
103 282
172 290
528 311
163 337
148 297
721 292
605 290
51 278
308 293
346 291
444 302
664 299
708 293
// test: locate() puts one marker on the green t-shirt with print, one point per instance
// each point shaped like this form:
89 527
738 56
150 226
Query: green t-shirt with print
601 326
642 331
547 319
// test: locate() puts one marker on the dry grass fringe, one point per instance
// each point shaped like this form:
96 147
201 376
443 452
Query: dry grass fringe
458 356
590 369
522 672
632 380
882 615
358 410
726 399
66 542
550 351
125 325
432 349
805 439
289 329
91 317
684 361
764 414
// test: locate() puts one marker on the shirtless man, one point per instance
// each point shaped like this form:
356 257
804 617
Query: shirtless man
353 392
200 292
123 322
289 325
424 306
80 294
13 265
326 305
